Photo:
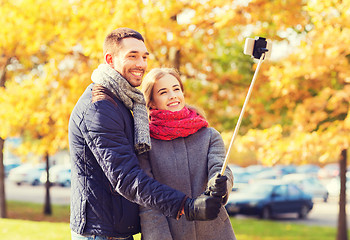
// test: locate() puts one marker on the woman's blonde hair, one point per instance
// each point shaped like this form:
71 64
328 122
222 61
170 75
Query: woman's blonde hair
154 75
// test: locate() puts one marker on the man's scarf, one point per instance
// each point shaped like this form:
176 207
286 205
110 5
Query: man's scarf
168 125
132 98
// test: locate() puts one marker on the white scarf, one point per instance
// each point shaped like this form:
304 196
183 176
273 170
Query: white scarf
132 98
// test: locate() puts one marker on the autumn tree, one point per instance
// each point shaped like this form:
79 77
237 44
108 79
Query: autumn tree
299 109
37 60
310 88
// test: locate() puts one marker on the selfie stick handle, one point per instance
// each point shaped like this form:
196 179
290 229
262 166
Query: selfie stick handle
241 114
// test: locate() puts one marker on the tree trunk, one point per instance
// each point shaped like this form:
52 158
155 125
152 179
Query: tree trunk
175 57
342 231
2 142
2 182
47 205
177 60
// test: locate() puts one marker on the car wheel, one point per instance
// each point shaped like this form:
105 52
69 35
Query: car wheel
325 198
266 213
232 214
35 182
66 183
303 212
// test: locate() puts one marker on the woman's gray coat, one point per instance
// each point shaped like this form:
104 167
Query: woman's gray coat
186 164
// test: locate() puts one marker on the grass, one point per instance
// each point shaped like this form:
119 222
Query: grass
254 229
27 222
30 230
34 212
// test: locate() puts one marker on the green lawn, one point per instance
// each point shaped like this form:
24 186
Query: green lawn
31 230
255 229
26 222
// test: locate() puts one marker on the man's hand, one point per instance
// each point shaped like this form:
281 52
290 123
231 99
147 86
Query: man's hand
217 186
202 208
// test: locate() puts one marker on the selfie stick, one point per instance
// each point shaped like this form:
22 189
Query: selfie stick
242 113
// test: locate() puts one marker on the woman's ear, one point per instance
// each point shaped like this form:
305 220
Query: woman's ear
152 105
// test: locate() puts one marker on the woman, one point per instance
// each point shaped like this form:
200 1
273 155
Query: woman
185 154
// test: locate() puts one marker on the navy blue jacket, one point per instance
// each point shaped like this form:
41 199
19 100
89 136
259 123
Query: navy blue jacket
107 181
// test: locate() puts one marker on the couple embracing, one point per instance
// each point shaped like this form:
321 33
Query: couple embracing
143 161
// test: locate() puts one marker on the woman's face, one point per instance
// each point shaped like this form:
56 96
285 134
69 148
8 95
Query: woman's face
167 94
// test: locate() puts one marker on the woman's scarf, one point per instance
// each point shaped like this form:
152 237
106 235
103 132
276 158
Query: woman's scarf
168 125
132 98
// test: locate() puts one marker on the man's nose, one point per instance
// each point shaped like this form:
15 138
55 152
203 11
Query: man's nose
141 62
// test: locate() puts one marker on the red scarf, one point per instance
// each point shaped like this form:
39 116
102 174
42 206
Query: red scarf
168 125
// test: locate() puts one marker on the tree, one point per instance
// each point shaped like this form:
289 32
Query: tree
311 87
299 109
342 232
2 172
32 45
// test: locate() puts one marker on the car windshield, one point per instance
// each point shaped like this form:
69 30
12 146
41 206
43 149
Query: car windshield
259 189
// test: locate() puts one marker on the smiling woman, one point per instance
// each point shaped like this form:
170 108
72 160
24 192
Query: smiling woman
167 94
158 92
182 142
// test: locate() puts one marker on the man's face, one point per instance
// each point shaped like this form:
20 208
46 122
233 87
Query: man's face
131 60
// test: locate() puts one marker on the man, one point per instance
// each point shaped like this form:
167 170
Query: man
107 128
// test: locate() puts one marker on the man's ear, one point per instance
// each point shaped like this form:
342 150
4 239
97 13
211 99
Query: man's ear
109 59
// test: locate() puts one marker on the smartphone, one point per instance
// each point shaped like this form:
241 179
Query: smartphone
256 47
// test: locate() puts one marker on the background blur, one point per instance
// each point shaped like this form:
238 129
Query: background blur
299 109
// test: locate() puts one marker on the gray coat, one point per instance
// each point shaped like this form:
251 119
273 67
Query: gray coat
186 164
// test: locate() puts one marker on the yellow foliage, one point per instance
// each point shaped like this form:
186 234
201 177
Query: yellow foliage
299 111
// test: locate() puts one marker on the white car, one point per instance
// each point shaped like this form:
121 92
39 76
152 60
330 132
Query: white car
58 175
27 173
309 184
334 186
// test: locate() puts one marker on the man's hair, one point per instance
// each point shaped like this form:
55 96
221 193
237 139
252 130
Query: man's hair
113 40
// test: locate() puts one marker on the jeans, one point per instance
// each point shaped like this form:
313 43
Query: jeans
76 236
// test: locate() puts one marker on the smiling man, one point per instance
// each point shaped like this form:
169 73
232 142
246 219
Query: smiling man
130 60
108 127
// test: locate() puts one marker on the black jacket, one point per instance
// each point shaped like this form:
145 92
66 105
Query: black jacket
107 181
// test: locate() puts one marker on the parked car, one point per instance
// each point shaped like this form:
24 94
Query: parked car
269 198
235 168
58 175
329 171
255 169
241 180
9 167
241 176
286 169
308 169
271 173
27 173
309 184
333 186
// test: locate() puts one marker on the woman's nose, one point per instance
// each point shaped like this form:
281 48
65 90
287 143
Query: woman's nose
172 95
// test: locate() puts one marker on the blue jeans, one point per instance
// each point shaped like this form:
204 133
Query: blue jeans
76 236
